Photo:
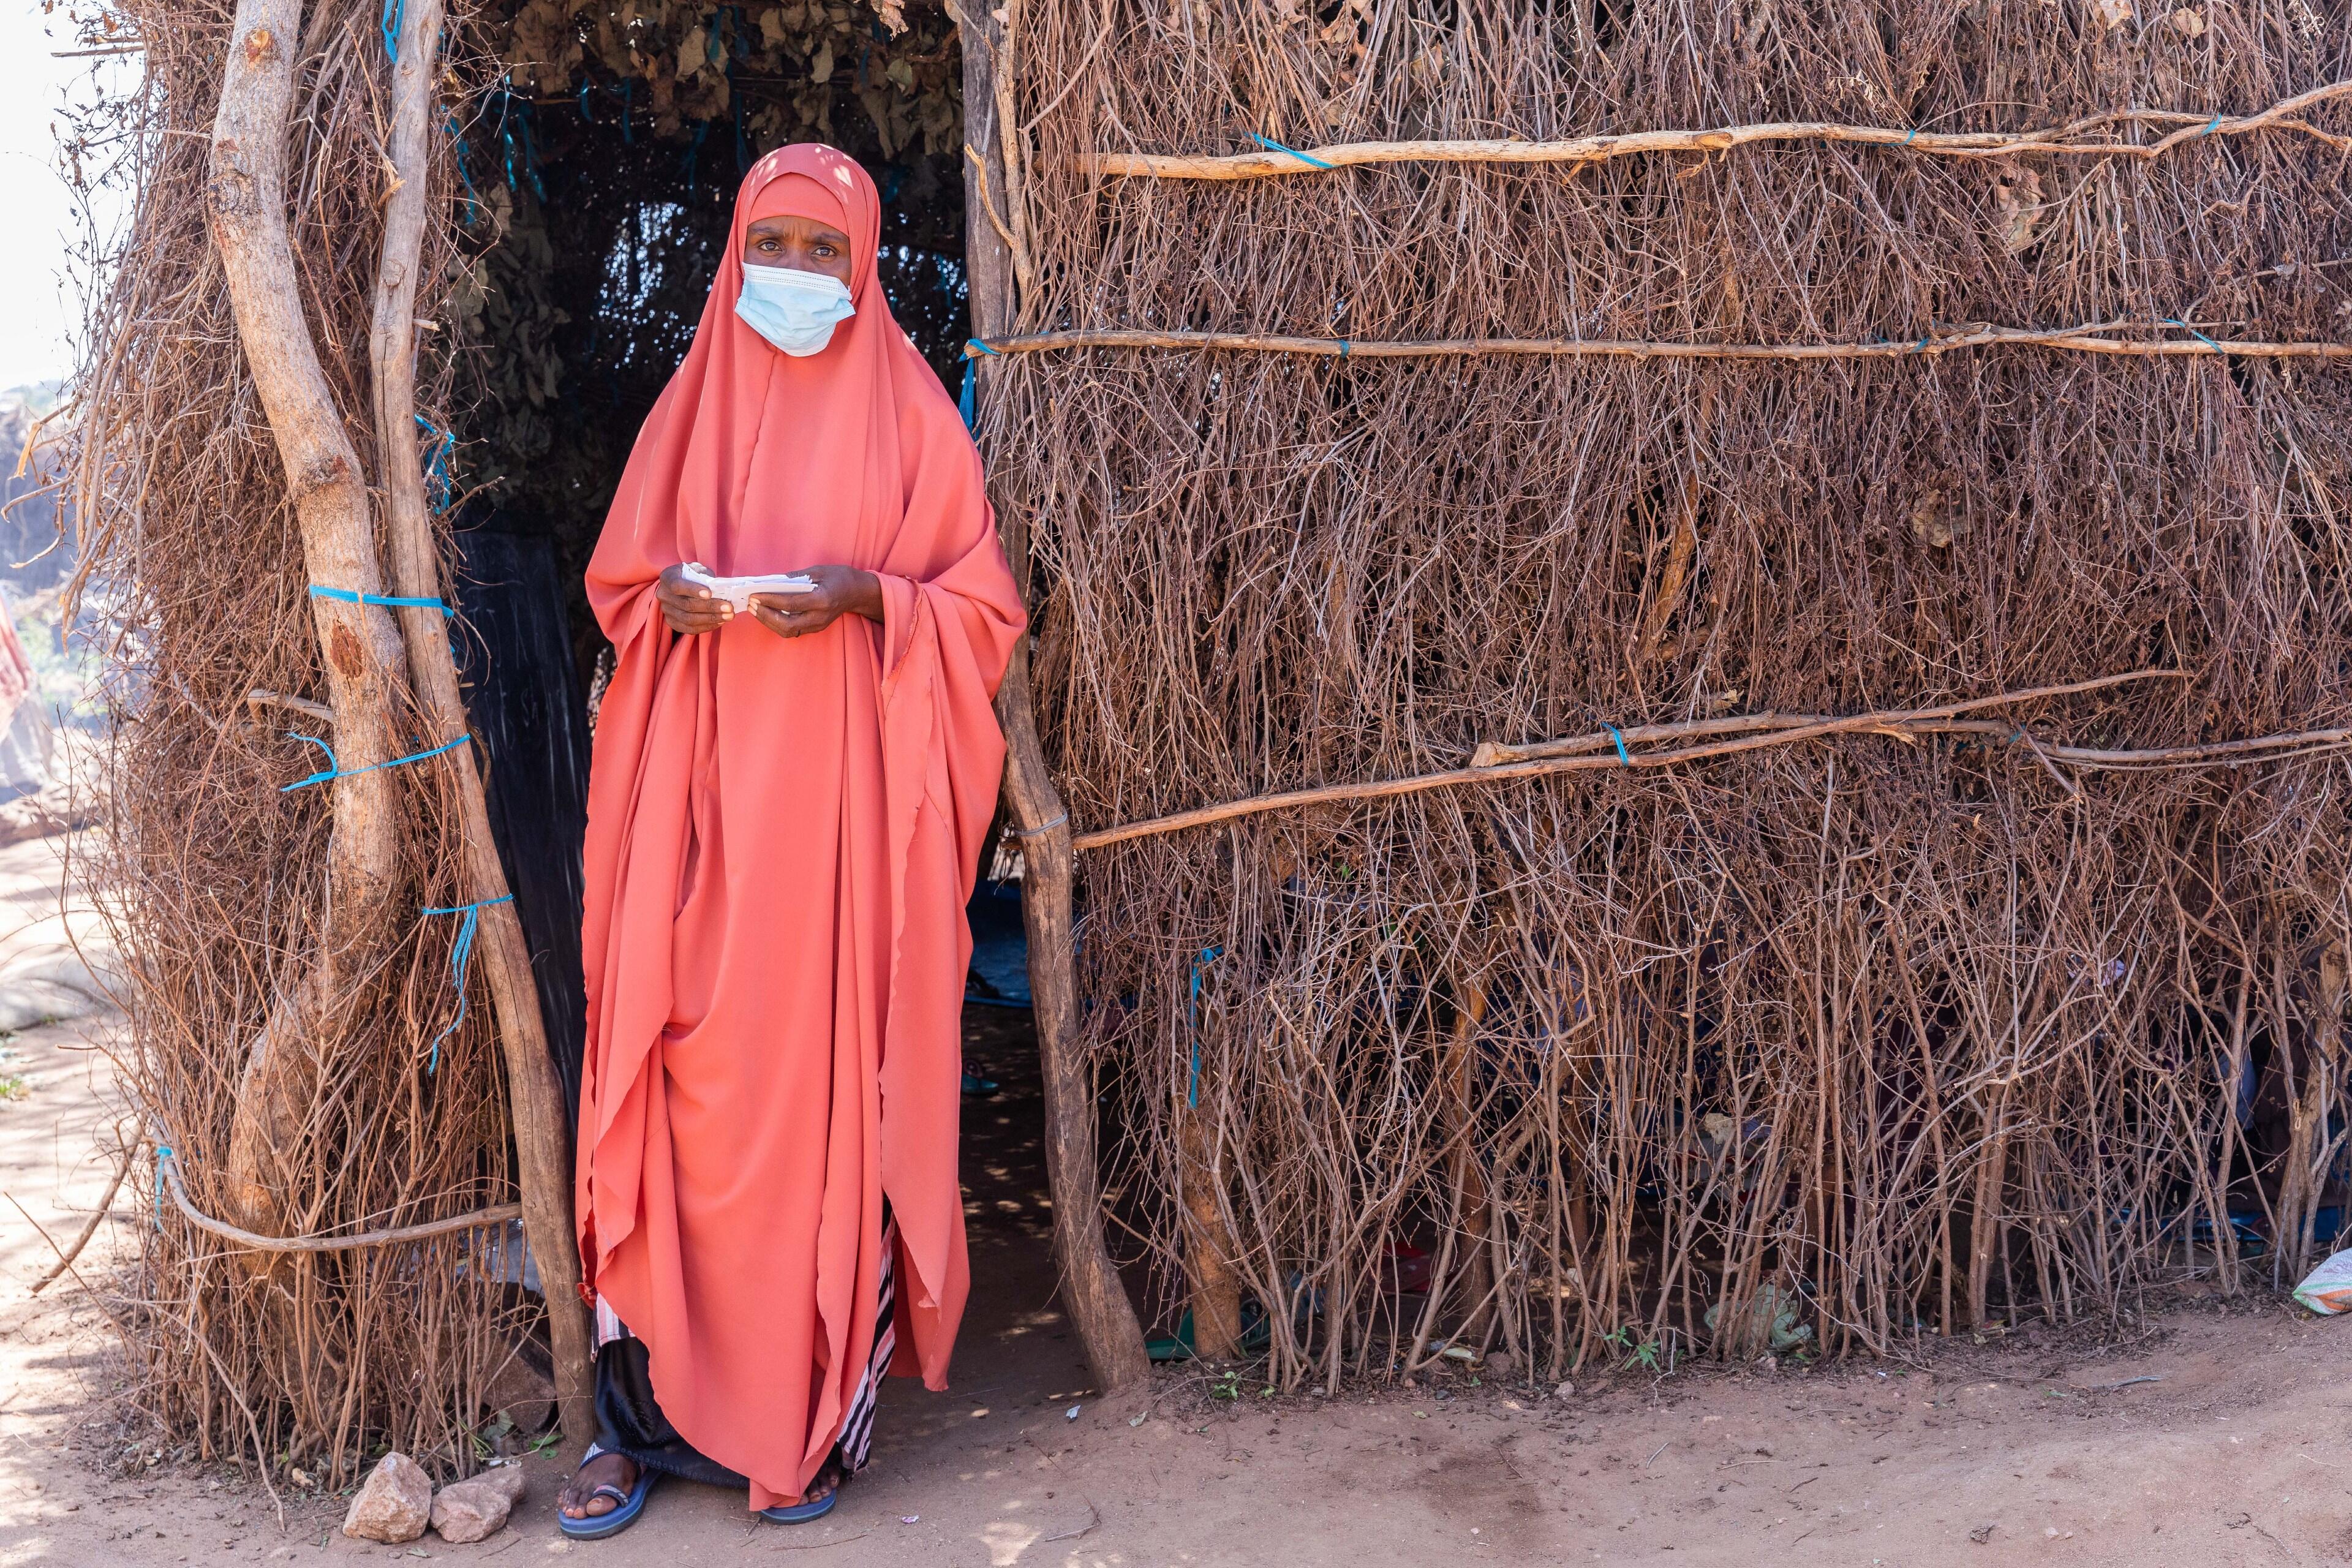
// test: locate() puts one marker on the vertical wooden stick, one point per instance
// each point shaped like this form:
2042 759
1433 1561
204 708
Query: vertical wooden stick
1209 1245
1098 1306
542 1129
360 649
1468 1172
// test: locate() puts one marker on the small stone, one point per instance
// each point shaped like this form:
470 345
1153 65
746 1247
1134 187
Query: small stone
1565 1391
476 1510
395 1503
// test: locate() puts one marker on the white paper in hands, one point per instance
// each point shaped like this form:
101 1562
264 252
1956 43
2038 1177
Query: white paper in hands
737 591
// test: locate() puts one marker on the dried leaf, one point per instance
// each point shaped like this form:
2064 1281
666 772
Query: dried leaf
2018 207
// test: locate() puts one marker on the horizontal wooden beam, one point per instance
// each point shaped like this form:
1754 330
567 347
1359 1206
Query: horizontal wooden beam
2094 339
1611 748
2091 138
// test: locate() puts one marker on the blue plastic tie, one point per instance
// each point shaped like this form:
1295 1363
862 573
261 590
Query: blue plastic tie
585 112
2208 126
1921 346
394 12
390 602
1273 146
1914 131
1192 1090
335 770
473 197
530 156
1618 736
162 1153
2193 333
1343 348
439 471
968 403
460 955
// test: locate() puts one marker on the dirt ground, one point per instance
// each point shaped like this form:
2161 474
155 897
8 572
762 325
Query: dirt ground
2207 1435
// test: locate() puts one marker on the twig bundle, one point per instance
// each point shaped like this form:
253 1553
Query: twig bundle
1863 1036
213 880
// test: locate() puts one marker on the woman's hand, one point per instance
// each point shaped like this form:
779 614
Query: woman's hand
689 607
840 591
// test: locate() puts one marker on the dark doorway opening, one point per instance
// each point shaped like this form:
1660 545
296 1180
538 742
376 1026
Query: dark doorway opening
597 183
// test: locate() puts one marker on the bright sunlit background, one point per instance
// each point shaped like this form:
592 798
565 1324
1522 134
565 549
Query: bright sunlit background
49 257
40 303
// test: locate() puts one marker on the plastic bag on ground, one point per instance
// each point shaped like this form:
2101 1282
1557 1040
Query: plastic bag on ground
2327 1289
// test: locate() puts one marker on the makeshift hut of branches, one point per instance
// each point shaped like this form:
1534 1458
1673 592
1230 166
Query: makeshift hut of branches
1689 690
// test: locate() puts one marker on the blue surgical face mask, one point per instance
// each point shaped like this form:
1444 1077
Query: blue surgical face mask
793 309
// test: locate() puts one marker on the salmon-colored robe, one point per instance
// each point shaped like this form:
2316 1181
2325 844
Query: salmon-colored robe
782 836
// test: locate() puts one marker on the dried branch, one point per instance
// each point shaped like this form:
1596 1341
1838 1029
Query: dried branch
2088 339
2073 141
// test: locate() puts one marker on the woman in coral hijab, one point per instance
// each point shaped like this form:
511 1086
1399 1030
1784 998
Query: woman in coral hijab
785 814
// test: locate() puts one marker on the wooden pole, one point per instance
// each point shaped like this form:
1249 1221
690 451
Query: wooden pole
2091 338
1496 764
542 1129
1095 1296
361 646
1208 1244
2074 141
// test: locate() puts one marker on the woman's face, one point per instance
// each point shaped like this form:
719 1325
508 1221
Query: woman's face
800 243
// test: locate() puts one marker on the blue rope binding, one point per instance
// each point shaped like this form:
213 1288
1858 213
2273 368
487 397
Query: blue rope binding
971 381
395 13
390 602
473 197
2193 333
162 1153
1274 146
1192 1017
1623 759
439 471
460 954
335 770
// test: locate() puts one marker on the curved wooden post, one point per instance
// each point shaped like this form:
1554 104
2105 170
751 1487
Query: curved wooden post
541 1128
359 646
1098 1300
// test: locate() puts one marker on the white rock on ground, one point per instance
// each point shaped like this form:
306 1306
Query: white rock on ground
476 1510
395 1503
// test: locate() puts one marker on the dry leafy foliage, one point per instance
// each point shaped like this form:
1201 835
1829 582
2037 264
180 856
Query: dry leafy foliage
782 68
1867 1037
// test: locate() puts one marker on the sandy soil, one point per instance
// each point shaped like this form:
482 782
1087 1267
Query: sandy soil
2043 1448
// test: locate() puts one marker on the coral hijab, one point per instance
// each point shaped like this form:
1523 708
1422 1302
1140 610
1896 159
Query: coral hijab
782 836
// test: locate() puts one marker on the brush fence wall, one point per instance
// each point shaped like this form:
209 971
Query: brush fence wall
1838 1042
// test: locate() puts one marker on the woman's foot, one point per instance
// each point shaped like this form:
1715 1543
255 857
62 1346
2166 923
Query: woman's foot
816 1502
581 1498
